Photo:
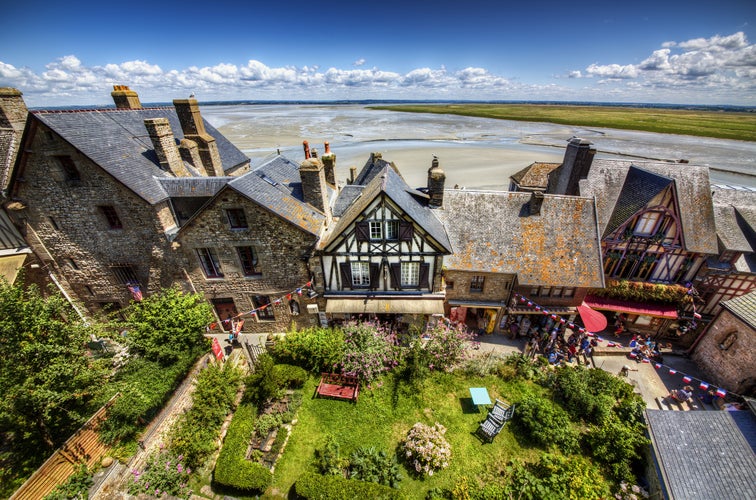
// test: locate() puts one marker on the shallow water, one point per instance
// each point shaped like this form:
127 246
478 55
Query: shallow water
478 153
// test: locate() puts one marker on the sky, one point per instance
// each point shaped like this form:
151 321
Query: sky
640 51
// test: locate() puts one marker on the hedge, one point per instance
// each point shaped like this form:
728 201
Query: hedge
313 486
232 469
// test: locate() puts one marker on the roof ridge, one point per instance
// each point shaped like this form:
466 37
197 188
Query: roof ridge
90 110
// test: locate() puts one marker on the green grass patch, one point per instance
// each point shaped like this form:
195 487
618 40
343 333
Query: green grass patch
719 124
383 416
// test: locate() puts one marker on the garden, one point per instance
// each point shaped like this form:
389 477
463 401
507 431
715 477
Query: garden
575 432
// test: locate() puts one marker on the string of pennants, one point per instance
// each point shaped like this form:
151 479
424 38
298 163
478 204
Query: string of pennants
238 326
687 379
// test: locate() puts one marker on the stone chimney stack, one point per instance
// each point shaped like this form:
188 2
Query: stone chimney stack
329 162
314 187
165 146
436 181
578 157
194 130
12 122
536 200
125 98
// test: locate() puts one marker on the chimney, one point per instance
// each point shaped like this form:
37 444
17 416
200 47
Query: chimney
125 98
352 175
306 146
194 129
314 188
165 146
329 162
536 200
190 154
12 122
578 157
436 180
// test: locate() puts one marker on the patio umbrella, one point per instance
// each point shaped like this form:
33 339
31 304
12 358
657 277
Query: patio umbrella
593 320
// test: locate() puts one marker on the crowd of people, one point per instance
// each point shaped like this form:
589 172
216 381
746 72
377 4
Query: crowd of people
560 345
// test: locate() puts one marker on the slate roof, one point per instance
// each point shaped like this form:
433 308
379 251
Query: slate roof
744 307
535 175
192 187
704 454
607 178
347 196
372 168
735 217
492 231
118 141
276 186
410 201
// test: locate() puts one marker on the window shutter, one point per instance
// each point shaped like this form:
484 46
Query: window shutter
424 274
346 275
362 231
375 269
396 275
406 231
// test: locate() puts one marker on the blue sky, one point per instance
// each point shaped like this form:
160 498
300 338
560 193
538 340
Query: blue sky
690 52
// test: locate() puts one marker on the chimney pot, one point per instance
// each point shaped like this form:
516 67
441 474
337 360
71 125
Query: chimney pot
306 146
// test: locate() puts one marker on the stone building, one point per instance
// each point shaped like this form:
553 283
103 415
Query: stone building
12 120
725 351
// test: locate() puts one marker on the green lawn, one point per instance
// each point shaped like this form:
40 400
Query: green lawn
383 416
718 124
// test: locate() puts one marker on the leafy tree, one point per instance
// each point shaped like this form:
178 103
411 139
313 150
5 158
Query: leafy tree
617 446
264 383
552 477
315 349
167 325
546 424
46 376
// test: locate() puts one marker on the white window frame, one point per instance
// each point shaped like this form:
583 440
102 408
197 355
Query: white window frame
392 229
647 222
375 230
360 274
410 274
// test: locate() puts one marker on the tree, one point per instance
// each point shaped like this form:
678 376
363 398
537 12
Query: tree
46 375
168 325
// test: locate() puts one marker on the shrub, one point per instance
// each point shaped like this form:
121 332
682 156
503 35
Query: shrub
617 446
291 376
232 470
368 464
446 346
264 384
328 460
553 476
164 474
369 350
314 349
314 486
196 431
266 423
426 449
545 424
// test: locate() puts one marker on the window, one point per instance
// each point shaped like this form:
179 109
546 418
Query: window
376 230
70 172
263 307
647 223
248 259
450 285
236 218
360 274
410 274
568 293
89 289
53 223
392 230
209 262
476 284
125 275
72 264
728 341
111 217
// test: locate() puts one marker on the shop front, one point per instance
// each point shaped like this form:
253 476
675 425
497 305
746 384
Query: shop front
481 317
522 321
402 311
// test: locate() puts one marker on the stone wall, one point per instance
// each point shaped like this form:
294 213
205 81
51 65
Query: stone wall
77 234
13 114
496 286
281 248
726 354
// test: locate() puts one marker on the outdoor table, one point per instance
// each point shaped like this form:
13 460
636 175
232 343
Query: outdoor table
479 396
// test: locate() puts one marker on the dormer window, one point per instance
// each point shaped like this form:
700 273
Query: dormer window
647 223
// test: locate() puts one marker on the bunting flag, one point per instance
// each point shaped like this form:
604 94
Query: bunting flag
687 379
253 312
672 371
645 360
238 327
721 392
631 354
703 386
657 365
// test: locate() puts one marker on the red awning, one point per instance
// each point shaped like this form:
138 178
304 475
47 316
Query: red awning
594 321
624 306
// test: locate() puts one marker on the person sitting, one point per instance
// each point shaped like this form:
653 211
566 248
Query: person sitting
681 395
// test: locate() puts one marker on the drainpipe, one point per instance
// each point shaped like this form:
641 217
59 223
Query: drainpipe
68 297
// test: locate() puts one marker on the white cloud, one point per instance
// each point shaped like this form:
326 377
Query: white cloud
359 62
715 68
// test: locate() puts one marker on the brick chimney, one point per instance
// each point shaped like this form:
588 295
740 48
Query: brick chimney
190 153
436 181
536 200
165 146
12 122
194 129
314 187
329 163
578 157
125 98
306 147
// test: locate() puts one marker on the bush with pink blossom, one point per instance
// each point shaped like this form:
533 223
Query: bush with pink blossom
370 350
426 449
164 475
446 345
